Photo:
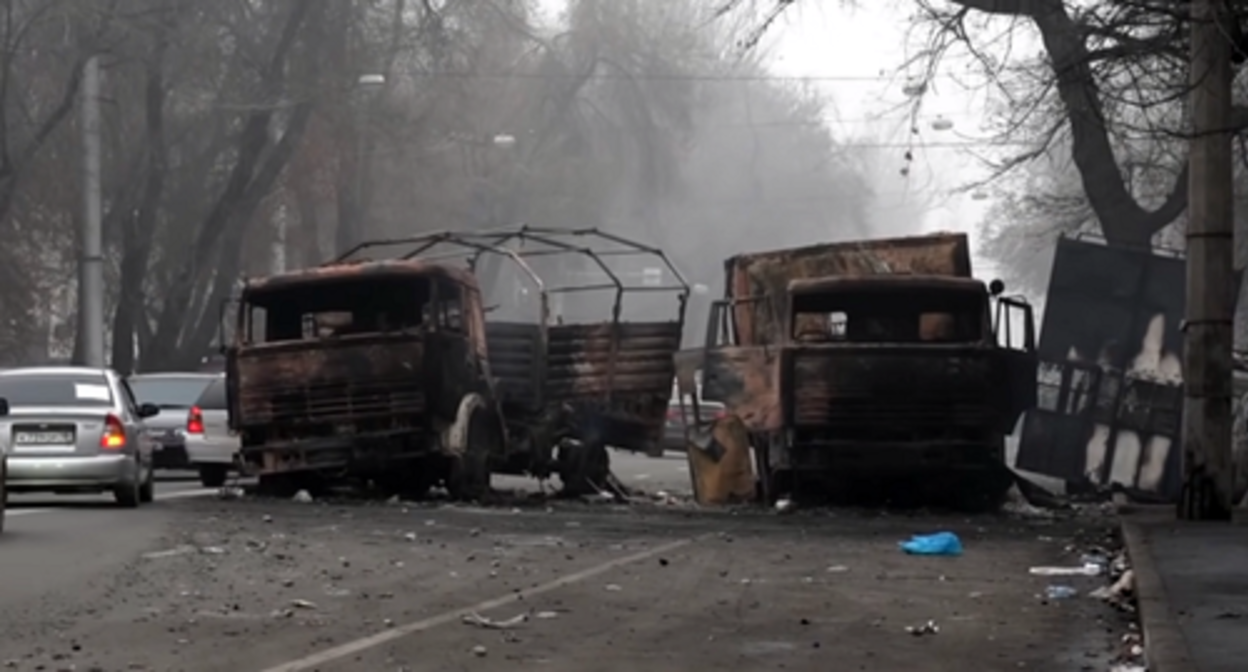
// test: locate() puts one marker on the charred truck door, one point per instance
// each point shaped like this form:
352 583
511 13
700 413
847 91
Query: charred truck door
1015 329
450 353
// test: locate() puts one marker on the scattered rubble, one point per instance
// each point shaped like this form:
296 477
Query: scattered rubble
928 628
490 624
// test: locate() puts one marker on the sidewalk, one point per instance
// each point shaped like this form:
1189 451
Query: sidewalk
1192 584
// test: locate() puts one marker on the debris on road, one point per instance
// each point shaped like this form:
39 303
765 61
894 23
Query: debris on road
940 543
491 624
303 604
479 651
303 497
928 628
1060 592
1084 570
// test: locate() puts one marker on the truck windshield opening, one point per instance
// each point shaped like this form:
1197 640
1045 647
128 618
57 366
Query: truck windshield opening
348 307
889 317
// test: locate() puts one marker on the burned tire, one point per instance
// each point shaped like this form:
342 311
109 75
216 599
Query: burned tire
583 468
468 475
213 475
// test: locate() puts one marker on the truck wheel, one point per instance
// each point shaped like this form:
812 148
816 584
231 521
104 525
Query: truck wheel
583 468
468 476
213 475
984 492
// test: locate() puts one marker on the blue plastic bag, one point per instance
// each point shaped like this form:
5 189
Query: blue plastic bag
940 543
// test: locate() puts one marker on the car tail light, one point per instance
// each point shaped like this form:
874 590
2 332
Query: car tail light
195 421
114 436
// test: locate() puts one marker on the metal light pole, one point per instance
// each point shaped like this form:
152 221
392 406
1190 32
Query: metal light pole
366 86
91 263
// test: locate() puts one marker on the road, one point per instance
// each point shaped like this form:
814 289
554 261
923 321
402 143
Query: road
199 584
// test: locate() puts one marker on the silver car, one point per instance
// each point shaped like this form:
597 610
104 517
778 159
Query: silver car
174 394
210 444
74 430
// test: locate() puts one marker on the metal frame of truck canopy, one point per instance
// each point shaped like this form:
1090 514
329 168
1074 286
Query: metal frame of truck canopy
601 376
555 241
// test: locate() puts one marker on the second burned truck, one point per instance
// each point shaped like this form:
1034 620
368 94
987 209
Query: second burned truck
873 365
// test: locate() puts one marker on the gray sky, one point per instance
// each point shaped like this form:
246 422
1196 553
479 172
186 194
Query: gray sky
852 55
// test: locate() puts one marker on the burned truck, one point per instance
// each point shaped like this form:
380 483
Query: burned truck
372 370
387 371
570 383
868 367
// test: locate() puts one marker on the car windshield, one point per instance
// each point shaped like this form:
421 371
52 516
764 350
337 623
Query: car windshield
168 391
55 389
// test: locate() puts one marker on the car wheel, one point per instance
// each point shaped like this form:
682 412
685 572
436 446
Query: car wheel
127 493
147 491
212 475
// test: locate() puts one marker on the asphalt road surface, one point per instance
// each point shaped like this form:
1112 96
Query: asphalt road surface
201 584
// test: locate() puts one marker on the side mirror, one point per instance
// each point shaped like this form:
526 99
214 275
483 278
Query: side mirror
996 287
4 407
147 409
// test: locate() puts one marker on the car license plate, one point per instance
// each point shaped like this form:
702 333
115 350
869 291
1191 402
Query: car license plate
43 438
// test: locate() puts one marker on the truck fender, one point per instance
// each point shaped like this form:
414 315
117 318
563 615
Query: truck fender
455 437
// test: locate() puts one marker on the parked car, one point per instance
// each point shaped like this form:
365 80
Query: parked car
674 428
174 394
211 446
75 429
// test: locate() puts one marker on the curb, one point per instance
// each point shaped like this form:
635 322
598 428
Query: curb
1165 649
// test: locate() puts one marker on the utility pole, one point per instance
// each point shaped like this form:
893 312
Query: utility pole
91 264
1208 328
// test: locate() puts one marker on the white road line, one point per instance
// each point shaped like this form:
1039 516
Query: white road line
181 550
181 494
372 641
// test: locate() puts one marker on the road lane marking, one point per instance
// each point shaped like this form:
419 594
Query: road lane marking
389 635
181 550
180 494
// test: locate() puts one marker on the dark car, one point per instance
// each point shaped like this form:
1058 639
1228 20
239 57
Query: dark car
174 394
674 428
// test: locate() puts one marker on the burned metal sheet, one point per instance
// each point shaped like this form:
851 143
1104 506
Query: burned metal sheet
617 377
744 379
284 385
759 282
1110 384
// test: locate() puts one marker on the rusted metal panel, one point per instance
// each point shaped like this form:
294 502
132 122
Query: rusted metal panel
330 381
618 377
348 270
582 364
515 351
759 282
744 379
720 463
881 391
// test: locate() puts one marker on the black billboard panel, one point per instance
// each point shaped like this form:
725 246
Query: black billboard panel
1110 373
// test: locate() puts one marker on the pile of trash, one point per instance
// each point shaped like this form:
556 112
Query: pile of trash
1117 590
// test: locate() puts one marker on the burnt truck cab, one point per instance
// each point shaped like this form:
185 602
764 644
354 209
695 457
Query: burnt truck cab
879 378
376 370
